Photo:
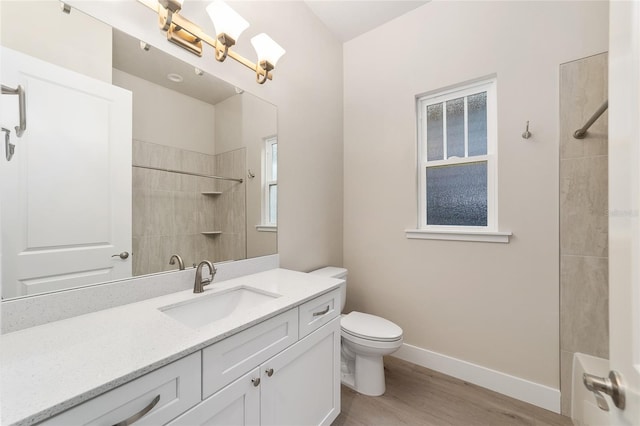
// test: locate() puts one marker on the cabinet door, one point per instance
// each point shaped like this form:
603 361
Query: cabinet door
301 385
237 404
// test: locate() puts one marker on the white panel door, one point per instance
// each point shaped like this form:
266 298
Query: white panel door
624 206
301 385
66 194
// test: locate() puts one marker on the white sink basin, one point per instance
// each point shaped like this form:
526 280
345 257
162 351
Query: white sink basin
210 308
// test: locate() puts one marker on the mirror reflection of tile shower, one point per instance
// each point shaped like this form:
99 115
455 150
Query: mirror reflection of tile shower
197 217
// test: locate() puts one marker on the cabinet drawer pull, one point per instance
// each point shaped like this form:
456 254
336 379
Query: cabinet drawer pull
256 381
140 414
269 372
317 314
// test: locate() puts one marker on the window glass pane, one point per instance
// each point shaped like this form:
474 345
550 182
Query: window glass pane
435 144
477 122
273 203
274 161
455 128
457 195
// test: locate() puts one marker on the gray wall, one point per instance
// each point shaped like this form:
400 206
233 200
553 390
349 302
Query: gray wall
584 290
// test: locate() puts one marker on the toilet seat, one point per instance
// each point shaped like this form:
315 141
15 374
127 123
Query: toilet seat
370 327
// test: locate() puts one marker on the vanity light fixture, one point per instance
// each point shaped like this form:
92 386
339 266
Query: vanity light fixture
228 25
268 54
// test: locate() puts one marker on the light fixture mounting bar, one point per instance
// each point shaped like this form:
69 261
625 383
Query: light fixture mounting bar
179 24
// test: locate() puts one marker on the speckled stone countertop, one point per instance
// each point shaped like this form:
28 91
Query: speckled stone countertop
47 369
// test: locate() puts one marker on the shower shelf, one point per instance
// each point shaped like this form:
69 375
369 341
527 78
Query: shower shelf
211 193
212 233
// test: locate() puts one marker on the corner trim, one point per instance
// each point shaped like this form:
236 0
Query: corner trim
514 387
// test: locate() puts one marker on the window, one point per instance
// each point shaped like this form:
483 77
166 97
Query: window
457 150
270 211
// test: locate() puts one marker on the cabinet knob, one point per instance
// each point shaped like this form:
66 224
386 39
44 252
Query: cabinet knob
269 372
256 381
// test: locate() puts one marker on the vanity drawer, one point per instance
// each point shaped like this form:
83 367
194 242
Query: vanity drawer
227 360
177 384
319 311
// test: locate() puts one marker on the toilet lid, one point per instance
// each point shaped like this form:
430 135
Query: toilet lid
370 327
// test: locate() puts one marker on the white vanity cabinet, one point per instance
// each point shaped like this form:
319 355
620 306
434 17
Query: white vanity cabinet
283 371
298 386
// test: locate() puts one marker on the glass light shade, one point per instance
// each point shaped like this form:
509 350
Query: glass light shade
267 49
226 20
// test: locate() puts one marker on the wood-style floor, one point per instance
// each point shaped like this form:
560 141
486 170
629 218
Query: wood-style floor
418 396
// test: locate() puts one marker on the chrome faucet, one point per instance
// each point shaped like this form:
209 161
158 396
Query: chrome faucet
200 282
172 261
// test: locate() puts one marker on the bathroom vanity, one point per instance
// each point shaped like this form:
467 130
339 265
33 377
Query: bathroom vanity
260 349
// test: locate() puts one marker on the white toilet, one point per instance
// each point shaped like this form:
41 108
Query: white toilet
365 340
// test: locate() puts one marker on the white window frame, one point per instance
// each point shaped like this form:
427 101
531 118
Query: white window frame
489 232
268 181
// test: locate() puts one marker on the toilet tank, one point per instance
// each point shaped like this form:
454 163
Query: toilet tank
335 272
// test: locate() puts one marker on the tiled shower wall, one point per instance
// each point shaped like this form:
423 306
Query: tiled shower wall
170 211
584 288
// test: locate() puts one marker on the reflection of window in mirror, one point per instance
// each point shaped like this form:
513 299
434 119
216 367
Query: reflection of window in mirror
270 205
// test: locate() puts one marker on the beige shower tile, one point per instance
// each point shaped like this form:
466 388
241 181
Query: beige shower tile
584 206
141 153
189 161
205 213
162 213
140 178
141 212
566 382
583 90
185 217
172 158
584 305
140 256
156 255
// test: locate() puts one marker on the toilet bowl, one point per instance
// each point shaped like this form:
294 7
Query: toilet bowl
365 340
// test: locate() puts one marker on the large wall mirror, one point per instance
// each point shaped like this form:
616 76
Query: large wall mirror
130 156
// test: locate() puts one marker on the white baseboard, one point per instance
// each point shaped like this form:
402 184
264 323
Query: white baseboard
514 387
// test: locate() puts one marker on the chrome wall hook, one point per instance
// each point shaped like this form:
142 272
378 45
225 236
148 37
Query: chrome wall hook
527 133
8 146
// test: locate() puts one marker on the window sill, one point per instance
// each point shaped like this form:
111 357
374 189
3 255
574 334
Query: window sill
458 235
267 228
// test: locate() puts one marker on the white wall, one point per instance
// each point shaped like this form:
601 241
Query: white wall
307 88
259 122
245 120
229 126
494 305
73 41
166 117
